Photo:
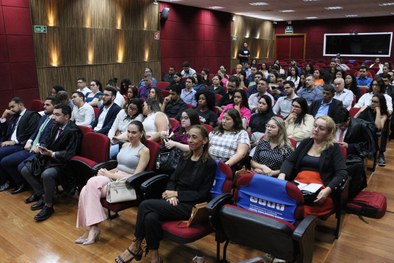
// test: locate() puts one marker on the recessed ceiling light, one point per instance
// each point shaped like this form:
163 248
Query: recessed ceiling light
215 7
310 0
352 15
311 17
286 11
333 7
258 3
386 4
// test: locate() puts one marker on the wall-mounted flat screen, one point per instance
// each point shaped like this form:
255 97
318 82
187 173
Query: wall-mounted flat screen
358 44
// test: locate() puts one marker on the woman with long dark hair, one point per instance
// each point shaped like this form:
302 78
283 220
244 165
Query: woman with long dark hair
206 107
118 132
299 123
241 105
229 141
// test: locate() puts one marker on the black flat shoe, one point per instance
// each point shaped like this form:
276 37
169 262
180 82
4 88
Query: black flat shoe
39 205
19 189
32 198
44 214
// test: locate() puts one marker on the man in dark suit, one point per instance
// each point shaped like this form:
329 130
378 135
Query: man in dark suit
107 113
9 164
327 106
61 144
15 132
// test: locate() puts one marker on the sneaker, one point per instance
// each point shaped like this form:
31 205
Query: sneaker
381 161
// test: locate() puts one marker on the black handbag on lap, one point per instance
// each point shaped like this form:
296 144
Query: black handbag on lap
168 159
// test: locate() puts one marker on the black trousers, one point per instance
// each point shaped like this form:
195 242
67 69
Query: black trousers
150 215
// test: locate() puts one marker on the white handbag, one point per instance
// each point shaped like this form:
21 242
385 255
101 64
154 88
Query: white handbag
117 191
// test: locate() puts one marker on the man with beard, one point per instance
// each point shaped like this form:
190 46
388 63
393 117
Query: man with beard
15 132
283 105
107 113
232 85
54 152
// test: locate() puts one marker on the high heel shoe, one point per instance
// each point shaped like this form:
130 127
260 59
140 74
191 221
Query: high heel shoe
82 238
137 256
96 236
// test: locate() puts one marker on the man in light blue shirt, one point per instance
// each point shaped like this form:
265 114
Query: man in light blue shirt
310 93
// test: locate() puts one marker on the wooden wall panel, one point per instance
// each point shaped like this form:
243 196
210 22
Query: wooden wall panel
259 34
97 39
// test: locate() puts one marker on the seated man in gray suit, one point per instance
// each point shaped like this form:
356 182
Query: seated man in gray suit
60 145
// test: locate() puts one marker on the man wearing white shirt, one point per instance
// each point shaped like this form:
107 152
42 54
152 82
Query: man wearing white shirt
283 105
81 86
342 94
187 70
82 113
253 100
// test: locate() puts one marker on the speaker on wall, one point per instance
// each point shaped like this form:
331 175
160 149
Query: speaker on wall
164 14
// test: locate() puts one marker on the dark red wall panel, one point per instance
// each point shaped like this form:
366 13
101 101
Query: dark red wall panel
18 3
20 48
17 61
17 20
202 37
315 30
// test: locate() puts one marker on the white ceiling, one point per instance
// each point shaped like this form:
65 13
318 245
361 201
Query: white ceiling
302 8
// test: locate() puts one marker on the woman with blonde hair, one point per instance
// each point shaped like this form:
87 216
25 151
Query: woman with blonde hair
273 149
318 160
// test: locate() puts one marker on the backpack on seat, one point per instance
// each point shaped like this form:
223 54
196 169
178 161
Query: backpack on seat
370 204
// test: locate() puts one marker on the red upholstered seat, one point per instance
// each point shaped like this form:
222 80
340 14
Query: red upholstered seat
162 84
94 150
37 105
178 232
266 214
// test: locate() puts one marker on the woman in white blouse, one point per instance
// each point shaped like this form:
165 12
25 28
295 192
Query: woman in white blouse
118 132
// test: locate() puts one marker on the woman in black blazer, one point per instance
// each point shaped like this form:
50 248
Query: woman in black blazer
318 160
188 185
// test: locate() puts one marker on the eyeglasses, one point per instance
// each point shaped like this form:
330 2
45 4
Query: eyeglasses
375 101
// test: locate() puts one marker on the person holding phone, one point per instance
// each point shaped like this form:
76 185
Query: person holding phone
58 147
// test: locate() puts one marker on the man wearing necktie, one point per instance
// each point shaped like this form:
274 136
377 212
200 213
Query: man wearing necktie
57 148
11 165
15 132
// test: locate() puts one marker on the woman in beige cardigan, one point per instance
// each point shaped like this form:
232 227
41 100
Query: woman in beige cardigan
299 123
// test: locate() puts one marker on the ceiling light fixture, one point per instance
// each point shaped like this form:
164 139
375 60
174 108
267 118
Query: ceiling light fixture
258 3
286 11
352 15
311 17
386 4
333 7
155 2
215 7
